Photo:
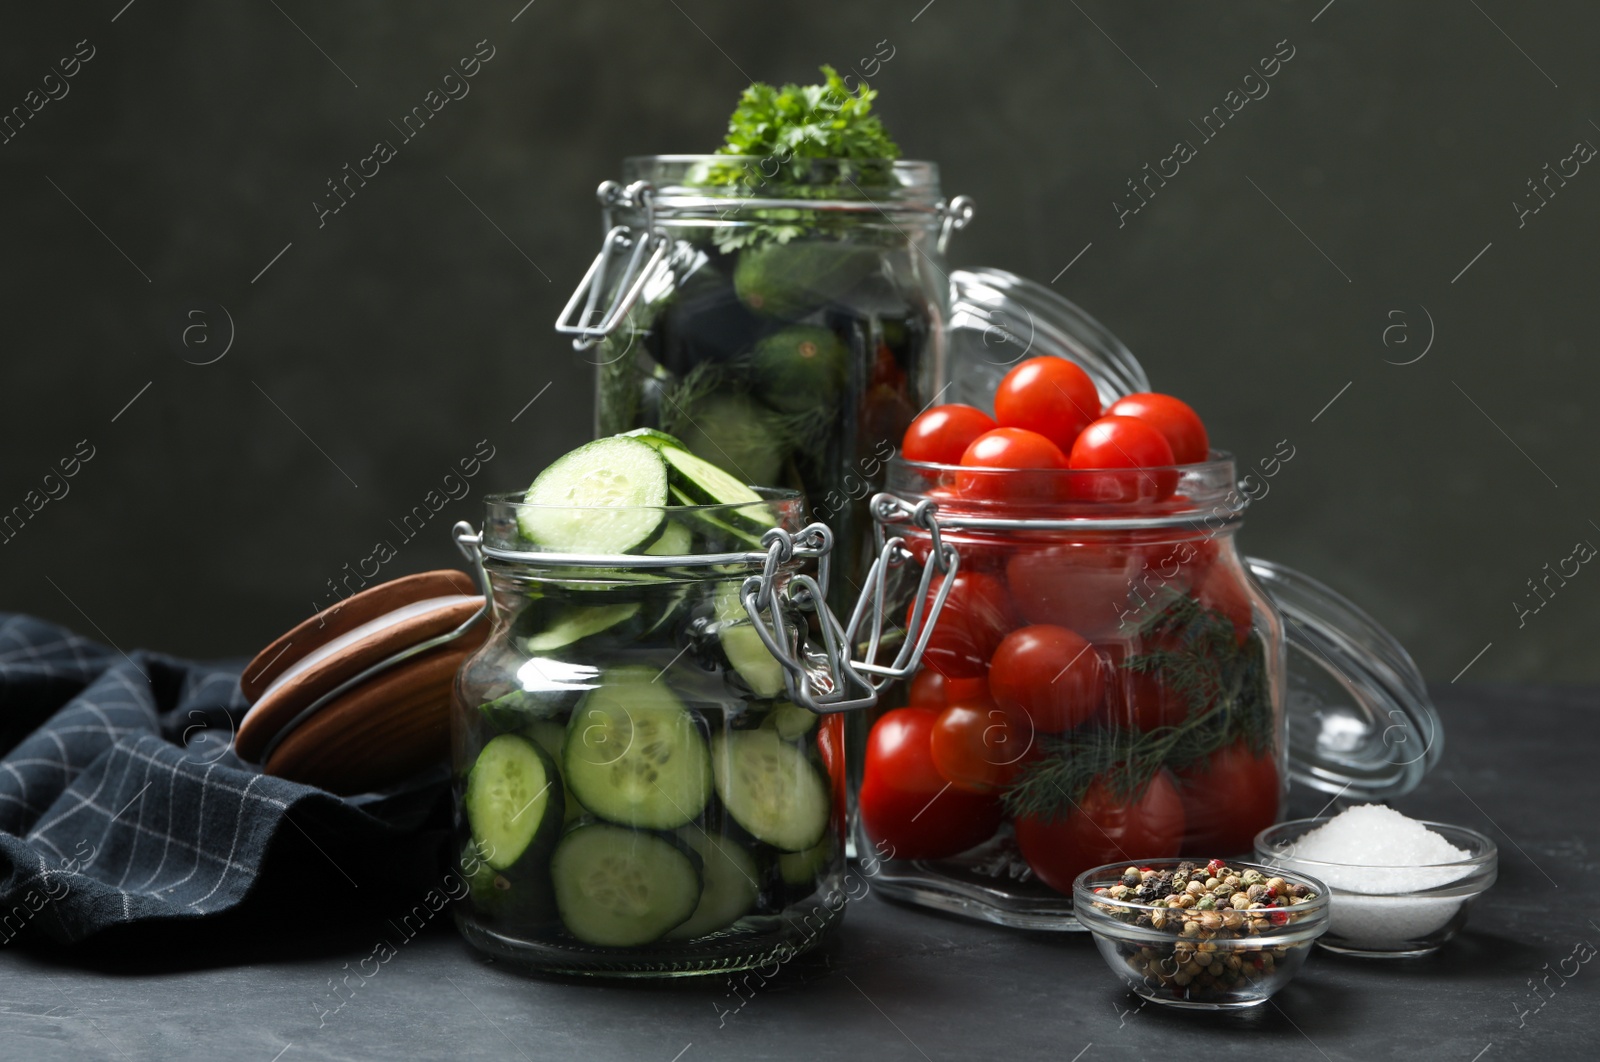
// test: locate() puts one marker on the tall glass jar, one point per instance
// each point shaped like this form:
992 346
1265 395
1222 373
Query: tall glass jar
1105 684
779 316
649 760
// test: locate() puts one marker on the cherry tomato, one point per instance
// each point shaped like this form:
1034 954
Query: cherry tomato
1220 588
1083 586
1177 565
1122 443
1173 418
1103 829
830 746
1047 677
906 805
929 689
1227 799
1010 449
1140 700
1051 396
943 433
978 747
976 616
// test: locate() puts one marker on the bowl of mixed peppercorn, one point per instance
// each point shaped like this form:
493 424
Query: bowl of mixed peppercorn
1208 936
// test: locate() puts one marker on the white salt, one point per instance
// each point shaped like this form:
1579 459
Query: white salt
1382 854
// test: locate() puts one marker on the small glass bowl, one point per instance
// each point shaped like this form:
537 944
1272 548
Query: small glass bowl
1166 966
1394 921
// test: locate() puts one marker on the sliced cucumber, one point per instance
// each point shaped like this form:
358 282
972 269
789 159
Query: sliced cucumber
550 736
721 534
728 890
745 650
571 625
653 437
674 540
521 897
604 497
790 720
704 481
803 868
620 888
633 754
771 789
513 799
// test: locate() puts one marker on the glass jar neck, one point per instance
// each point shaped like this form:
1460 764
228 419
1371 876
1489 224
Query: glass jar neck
683 181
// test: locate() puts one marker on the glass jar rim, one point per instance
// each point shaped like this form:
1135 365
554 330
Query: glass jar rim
679 181
769 496
1205 492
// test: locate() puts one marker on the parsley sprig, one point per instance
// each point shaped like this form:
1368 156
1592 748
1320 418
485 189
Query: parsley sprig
797 122
781 133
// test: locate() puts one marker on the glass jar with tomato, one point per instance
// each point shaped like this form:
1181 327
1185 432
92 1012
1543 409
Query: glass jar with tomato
1106 683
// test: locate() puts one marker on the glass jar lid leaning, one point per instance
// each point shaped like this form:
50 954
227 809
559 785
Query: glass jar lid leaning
1108 682
648 749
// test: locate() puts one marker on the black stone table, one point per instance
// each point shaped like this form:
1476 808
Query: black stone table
897 983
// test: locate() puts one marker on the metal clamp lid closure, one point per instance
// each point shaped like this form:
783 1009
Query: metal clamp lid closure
828 681
622 241
619 240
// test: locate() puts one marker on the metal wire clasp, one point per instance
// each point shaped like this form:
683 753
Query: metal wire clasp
619 240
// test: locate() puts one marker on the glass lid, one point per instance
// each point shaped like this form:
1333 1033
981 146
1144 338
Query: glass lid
998 319
1361 725
1360 722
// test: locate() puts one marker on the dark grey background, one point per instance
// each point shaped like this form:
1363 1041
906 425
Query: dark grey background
378 350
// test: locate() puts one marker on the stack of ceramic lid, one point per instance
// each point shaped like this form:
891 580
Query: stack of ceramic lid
358 696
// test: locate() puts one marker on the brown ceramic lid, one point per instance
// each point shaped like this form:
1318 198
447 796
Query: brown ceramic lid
344 617
314 660
385 729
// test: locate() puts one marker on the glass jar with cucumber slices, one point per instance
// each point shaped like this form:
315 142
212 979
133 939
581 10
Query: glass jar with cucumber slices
780 320
649 764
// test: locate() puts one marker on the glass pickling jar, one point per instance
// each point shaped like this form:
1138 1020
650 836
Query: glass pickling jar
649 748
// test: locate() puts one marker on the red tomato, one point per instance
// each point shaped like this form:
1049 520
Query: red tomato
1181 425
1083 586
1048 677
1177 564
929 689
1008 450
1140 700
1118 443
979 748
830 746
1221 589
943 433
1102 829
906 804
976 616
1051 396
1228 799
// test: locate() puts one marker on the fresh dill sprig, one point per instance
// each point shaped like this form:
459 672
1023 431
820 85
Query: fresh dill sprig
1199 657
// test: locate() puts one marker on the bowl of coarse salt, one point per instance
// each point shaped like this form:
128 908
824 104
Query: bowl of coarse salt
1397 886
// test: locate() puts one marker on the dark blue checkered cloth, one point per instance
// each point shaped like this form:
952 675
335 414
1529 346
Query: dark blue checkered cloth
122 803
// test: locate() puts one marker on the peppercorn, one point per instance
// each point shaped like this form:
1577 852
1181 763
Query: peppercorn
1205 903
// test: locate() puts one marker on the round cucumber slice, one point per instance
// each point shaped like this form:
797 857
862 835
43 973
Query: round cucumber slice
513 794
620 888
728 873
674 541
550 735
770 788
790 720
604 497
743 646
633 754
802 868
